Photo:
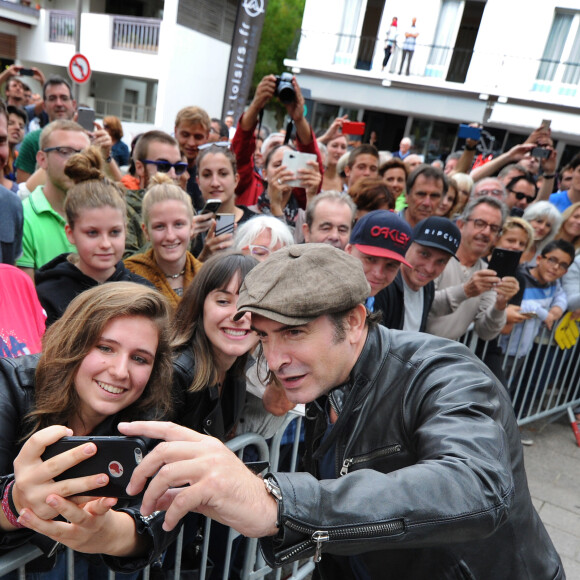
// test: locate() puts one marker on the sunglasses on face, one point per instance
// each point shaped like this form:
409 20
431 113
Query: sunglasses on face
165 167
63 151
519 196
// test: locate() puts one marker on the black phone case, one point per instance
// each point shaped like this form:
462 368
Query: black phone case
504 262
116 456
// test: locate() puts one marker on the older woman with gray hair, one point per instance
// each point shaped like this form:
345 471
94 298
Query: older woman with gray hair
545 219
262 235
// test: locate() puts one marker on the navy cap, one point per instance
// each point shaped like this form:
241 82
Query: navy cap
438 232
382 233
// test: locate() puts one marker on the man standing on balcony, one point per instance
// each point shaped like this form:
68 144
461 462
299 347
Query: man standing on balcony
192 126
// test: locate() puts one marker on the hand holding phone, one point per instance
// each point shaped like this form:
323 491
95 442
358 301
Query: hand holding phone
468 132
504 262
211 206
116 457
295 160
86 118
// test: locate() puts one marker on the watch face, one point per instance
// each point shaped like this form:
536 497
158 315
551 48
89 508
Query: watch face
273 488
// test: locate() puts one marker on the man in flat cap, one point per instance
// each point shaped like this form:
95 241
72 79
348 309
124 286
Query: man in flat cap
413 464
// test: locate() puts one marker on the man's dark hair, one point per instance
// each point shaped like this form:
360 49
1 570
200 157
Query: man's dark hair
575 161
19 111
527 177
394 162
364 149
562 245
54 81
565 168
428 172
224 131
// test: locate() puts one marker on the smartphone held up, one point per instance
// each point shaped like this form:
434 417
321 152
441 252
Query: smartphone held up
116 457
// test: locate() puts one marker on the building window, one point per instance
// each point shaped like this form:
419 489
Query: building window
215 18
559 70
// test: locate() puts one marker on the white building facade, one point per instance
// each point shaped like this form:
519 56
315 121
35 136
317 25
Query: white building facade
149 58
508 64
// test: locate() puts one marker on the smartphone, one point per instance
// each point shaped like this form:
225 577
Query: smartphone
295 160
504 262
467 132
116 456
546 123
540 152
353 128
26 72
211 206
86 118
224 223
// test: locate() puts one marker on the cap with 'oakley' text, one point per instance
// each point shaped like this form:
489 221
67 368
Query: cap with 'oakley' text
438 232
299 283
383 234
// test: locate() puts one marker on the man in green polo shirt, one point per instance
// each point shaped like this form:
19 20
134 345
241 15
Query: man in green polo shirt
44 219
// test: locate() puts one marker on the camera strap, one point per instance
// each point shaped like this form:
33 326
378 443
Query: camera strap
289 129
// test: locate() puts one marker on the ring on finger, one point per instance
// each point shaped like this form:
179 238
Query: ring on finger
279 181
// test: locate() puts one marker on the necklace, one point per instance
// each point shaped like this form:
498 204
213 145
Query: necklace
175 276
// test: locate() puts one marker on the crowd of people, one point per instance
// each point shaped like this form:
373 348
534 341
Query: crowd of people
198 279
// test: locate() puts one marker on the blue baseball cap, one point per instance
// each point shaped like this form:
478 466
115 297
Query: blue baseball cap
383 234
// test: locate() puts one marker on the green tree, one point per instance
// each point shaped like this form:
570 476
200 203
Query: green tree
280 33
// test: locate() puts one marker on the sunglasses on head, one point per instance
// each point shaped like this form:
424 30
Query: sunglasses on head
165 167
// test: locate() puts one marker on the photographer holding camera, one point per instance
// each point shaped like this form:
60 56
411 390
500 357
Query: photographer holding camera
286 88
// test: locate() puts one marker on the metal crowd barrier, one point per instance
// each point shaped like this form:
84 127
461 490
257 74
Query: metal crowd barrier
254 566
543 382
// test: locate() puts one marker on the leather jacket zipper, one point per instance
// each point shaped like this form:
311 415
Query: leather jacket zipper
318 537
385 451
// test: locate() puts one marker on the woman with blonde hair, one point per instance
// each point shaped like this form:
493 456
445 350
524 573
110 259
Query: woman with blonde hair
167 215
107 359
96 214
570 228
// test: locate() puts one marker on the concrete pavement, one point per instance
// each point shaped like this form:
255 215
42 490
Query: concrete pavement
553 469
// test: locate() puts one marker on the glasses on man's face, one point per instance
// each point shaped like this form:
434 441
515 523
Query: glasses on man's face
165 167
491 192
63 151
482 225
259 252
555 262
519 196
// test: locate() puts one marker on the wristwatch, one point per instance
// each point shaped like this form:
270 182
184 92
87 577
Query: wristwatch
274 490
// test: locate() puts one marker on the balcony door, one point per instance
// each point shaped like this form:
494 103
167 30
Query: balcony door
455 35
559 70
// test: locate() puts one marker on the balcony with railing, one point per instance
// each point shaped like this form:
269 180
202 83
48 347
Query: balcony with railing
19 12
133 34
483 71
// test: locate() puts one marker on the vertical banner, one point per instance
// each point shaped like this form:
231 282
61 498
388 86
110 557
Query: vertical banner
247 32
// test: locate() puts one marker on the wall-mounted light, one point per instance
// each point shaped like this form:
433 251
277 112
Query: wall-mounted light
502 100
386 83
483 97
296 70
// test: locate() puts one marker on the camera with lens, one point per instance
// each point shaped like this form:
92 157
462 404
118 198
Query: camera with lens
284 88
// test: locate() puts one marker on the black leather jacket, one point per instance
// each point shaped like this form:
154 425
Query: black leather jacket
17 378
205 411
391 302
430 480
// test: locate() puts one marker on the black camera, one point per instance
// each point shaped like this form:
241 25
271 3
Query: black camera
284 88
